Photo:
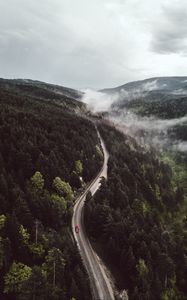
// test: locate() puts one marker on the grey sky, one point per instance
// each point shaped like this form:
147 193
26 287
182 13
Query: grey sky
92 43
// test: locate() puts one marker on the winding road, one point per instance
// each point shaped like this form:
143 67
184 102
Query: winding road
100 283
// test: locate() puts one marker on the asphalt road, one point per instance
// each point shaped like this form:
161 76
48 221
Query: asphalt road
100 284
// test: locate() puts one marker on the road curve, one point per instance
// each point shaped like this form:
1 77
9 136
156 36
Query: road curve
100 284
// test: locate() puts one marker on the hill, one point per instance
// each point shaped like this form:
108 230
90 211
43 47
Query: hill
66 97
162 97
158 106
137 222
156 83
47 152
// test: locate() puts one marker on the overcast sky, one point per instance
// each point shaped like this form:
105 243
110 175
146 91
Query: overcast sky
92 43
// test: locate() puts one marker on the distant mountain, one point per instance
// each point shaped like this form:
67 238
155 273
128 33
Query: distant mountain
162 97
171 84
159 98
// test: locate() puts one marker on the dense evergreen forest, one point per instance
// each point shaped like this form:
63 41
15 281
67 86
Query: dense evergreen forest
47 152
138 219
158 105
161 106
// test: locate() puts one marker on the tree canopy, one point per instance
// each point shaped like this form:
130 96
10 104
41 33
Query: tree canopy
45 145
136 218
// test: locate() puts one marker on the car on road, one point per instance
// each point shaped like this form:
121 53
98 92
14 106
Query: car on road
77 228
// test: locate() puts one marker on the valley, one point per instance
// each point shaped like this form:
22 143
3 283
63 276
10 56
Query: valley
51 153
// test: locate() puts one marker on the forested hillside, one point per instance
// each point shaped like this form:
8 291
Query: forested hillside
162 99
63 96
46 153
157 104
171 84
136 218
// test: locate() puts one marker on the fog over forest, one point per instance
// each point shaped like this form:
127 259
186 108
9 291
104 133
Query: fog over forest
149 130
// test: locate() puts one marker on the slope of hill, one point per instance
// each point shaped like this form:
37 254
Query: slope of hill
162 97
137 221
155 83
48 150
157 107
45 147
66 97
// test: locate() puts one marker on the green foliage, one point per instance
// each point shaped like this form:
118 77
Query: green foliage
31 140
135 217
37 181
172 294
37 249
59 199
99 152
179 170
63 188
54 265
55 255
142 268
146 208
36 287
141 207
159 106
78 167
2 221
16 277
25 235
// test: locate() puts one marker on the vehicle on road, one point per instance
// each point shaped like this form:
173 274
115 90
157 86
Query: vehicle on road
77 228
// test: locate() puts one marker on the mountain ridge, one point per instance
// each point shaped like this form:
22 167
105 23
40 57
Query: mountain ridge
69 98
161 81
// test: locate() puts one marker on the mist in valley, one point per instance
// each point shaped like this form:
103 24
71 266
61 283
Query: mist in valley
148 131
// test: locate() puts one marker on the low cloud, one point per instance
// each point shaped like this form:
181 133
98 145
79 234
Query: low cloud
181 146
97 101
146 130
133 93
150 86
146 123
149 131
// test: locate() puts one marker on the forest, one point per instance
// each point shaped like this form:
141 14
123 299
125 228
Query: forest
47 153
162 106
138 219
157 104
